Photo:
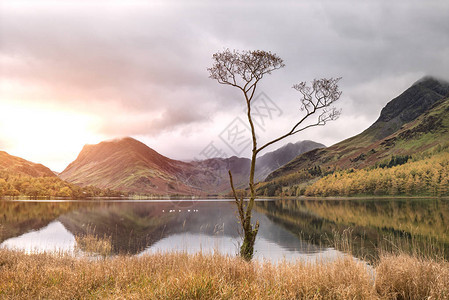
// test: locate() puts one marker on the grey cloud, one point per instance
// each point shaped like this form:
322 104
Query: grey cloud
123 54
150 60
392 38
152 124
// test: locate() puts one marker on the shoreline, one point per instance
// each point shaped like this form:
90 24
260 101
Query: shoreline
217 199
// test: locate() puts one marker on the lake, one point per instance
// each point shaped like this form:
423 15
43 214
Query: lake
289 229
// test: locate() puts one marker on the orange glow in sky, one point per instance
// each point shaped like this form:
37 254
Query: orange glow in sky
34 131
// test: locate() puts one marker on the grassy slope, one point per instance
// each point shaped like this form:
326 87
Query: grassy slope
378 141
182 276
426 133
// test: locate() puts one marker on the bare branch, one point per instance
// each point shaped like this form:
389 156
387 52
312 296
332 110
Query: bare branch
322 94
325 117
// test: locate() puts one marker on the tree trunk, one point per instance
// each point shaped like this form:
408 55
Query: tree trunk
250 231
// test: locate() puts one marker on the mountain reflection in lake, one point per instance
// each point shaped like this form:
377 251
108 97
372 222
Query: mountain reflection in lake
290 229
412 225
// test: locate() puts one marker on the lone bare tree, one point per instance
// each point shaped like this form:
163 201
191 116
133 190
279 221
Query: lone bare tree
243 70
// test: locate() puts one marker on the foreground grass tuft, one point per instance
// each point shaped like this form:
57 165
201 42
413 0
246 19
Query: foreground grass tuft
93 245
406 277
183 276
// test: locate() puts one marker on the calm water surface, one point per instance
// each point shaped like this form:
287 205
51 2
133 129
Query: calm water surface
289 229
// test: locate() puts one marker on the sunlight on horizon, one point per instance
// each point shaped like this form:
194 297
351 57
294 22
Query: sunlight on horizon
47 134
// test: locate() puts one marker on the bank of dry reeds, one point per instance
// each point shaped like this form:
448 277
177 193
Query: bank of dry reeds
409 277
91 244
183 276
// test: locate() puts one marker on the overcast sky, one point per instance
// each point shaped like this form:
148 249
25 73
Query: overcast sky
83 71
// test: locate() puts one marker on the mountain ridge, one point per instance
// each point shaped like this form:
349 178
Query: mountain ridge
402 114
410 104
129 165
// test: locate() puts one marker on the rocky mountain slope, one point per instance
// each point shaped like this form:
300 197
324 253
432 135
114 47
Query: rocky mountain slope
414 122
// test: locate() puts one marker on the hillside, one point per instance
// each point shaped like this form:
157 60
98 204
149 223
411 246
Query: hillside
19 177
18 166
408 106
129 165
423 177
414 122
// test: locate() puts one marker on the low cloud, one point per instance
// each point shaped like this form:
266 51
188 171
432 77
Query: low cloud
151 124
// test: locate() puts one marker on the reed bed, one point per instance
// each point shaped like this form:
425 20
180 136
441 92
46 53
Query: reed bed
213 276
409 277
91 244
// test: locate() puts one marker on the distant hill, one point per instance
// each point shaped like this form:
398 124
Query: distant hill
414 122
129 165
18 166
271 161
217 168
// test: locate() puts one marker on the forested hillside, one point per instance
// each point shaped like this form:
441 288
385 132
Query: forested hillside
426 177
34 187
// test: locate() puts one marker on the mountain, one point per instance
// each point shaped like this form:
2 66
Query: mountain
413 122
408 106
18 166
216 169
271 161
128 165
212 174
131 166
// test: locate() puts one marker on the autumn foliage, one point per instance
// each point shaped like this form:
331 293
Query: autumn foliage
426 177
36 187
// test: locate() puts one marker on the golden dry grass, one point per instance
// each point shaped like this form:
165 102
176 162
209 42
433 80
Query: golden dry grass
93 245
183 276
406 277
